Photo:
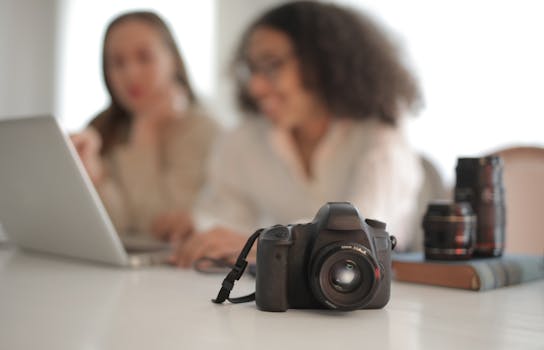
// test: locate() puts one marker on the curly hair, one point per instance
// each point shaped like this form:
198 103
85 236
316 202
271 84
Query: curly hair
348 61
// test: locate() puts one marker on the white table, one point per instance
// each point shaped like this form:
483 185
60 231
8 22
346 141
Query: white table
53 303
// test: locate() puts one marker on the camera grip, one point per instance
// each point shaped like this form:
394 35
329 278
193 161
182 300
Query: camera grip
271 279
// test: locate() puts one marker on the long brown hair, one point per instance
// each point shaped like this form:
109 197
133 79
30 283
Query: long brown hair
346 58
113 124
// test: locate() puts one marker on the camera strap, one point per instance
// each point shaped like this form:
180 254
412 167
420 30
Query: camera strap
236 273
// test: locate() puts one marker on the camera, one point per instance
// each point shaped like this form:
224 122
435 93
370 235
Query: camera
338 261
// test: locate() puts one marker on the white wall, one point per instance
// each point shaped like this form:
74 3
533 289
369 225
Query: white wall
27 56
480 65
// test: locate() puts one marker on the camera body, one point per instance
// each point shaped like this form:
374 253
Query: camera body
338 261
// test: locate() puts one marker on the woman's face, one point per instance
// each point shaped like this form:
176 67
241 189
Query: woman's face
139 66
275 81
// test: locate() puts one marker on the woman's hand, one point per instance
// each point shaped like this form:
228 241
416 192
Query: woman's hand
88 144
174 227
167 104
171 103
217 243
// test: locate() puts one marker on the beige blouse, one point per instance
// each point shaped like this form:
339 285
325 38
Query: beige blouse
142 183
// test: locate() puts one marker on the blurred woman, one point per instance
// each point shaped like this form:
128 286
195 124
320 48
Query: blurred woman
328 93
146 152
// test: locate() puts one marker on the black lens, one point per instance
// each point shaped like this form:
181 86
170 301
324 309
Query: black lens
479 182
345 276
450 230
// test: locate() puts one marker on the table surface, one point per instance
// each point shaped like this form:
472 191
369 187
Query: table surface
54 303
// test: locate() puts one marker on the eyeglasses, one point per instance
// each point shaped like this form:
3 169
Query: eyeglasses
268 68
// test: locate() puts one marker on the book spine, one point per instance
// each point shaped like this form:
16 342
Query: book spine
508 271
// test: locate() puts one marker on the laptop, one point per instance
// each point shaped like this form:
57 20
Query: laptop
48 203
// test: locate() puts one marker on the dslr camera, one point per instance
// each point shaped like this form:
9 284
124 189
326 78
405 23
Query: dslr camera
338 261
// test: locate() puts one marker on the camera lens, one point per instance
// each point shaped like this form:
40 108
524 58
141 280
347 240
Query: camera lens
450 230
344 276
479 182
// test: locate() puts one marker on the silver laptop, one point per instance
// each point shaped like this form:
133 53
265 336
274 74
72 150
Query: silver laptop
48 203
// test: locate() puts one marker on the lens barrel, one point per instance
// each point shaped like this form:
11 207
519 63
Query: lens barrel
479 182
450 231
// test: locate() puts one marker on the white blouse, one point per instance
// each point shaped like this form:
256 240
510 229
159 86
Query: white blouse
256 178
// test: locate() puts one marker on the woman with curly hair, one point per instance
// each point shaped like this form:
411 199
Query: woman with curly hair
327 91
